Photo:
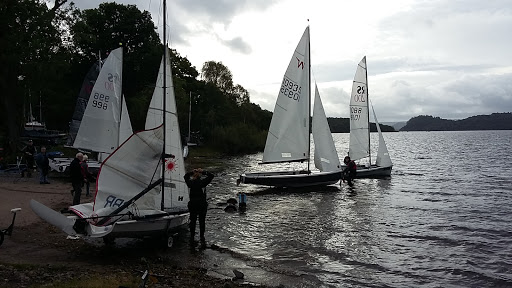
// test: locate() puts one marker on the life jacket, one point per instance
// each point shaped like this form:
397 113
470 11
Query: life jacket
352 165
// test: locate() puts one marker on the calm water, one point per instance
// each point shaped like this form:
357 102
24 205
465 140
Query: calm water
441 220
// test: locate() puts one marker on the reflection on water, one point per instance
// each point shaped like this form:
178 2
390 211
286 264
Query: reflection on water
441 220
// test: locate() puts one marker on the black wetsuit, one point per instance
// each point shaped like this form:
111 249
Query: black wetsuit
349 172
197 205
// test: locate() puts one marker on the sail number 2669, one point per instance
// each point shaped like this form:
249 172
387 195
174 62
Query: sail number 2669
100 101
291 89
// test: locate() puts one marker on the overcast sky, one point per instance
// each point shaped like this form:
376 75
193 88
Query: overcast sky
451 58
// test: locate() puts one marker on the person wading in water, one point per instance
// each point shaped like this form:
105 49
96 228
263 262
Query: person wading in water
197 206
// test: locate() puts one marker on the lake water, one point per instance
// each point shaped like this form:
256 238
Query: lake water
443 219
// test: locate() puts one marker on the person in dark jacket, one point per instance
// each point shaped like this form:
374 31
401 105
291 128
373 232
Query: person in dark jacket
87 174
197 205
29 152
77 177
350 171
43 165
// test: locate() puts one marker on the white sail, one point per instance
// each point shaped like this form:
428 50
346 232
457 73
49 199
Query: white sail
288 135
359 146
326 157
383 158
99 129
125 128
176 192
129 170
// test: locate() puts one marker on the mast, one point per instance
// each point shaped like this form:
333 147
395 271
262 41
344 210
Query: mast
164 106
368 109
189 115
40 109
122 96
309 101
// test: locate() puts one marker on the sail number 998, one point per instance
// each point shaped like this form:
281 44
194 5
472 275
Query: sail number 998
291 89
100 101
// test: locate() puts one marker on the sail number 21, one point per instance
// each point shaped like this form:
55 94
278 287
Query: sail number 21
100 101
291 89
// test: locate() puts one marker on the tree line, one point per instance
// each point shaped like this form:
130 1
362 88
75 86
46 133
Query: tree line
494 121
46 52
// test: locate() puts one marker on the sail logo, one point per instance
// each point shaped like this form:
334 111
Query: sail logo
180 198
300 64
360 96
170 165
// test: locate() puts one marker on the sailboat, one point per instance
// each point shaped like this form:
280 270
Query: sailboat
359 144
105 123
36 130
288 139
140 187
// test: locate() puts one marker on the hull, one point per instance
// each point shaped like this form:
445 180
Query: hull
61 165
162 225
154 223
290 178
373 171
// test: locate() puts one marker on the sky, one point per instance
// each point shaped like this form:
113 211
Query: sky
446 58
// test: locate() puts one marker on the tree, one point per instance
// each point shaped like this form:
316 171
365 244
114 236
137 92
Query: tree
217 74
29 39
110 25
240 95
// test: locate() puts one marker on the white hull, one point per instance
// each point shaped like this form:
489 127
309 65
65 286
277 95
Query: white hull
154 223
61 165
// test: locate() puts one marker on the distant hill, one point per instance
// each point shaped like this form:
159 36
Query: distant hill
396 125
342 125
495 121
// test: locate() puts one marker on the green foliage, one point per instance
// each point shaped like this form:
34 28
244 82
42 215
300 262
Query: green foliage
238 138
54 48
32 54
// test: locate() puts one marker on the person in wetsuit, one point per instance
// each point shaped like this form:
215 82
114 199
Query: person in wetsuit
349 173
197 206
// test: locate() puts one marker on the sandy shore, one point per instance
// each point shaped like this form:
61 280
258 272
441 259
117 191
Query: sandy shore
41 247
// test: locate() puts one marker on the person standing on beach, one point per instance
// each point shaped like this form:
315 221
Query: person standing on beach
197 206
29 152
43 165
87 174
77 177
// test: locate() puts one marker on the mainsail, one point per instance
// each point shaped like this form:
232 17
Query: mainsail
288 135
359 146
176 191
102 121
326 157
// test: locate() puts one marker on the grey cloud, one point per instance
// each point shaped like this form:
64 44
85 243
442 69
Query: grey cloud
457 99
237 44
221 11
